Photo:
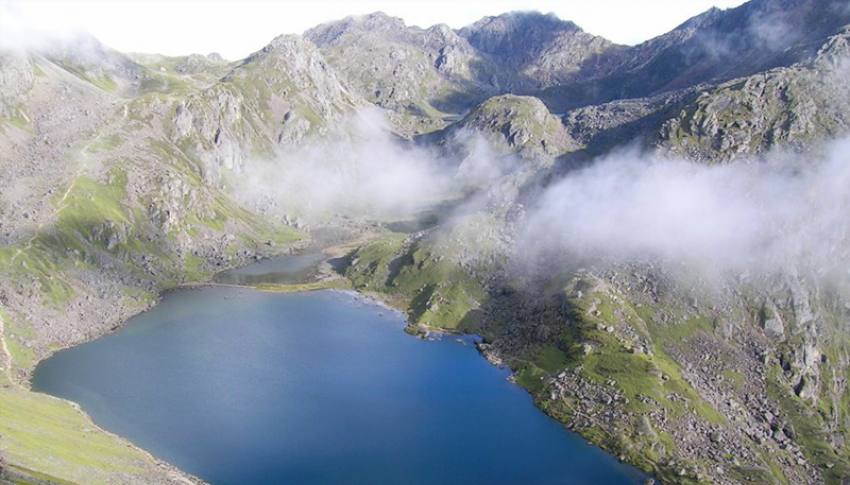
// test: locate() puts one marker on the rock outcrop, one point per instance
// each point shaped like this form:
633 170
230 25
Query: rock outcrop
517 124
794 107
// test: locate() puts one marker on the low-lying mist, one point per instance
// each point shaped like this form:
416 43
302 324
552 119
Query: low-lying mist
785 213
782 214
362 170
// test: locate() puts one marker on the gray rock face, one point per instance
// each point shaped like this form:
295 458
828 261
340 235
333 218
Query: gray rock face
599 128
195 63
792 107
405 69
517 124
16 79
536 51
715 46
773 328
277 96
416 71
423 72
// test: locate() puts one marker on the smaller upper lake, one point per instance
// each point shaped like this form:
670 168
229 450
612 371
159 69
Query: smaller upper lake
240 386
281 269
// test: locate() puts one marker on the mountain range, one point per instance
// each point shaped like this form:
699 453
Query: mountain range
124 175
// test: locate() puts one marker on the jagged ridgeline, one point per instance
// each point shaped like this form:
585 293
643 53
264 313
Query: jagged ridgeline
124 175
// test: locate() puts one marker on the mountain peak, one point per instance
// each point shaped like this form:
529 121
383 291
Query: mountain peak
525 18
285 41
514 31
375 22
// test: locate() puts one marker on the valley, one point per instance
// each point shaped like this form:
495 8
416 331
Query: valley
652 238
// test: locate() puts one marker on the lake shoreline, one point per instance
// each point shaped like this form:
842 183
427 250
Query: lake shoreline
24 383
176 474
209 319
324 278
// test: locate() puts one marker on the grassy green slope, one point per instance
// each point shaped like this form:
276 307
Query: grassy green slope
137 217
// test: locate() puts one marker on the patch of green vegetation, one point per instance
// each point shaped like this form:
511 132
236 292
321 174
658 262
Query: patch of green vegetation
88 200
14 335
105 82
102 80
531 377
433 290
56 290
370 267
280 235
591 343
551 359
640 375
193 268
37 70
19 475
166 74
633 438
165 83
833 402
444 295
22 356
755 475
734 377
105 143
90 217
179 158
331 284
18 119
773 474
809 428
681 331
32 264
39 432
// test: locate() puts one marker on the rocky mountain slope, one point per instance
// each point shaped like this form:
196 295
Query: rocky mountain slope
516 124
742 384
422 75
535 51
715 46
791 106
428 74
118 174
116 194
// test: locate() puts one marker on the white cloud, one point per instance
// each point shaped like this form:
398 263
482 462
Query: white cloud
362 170
359 170
236 29
787 214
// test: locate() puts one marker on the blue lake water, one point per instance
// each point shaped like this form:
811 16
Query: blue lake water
243 387
282 269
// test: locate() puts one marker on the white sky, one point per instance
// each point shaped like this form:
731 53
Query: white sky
235 28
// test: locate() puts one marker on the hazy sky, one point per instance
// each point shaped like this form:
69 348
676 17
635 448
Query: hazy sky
235 28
